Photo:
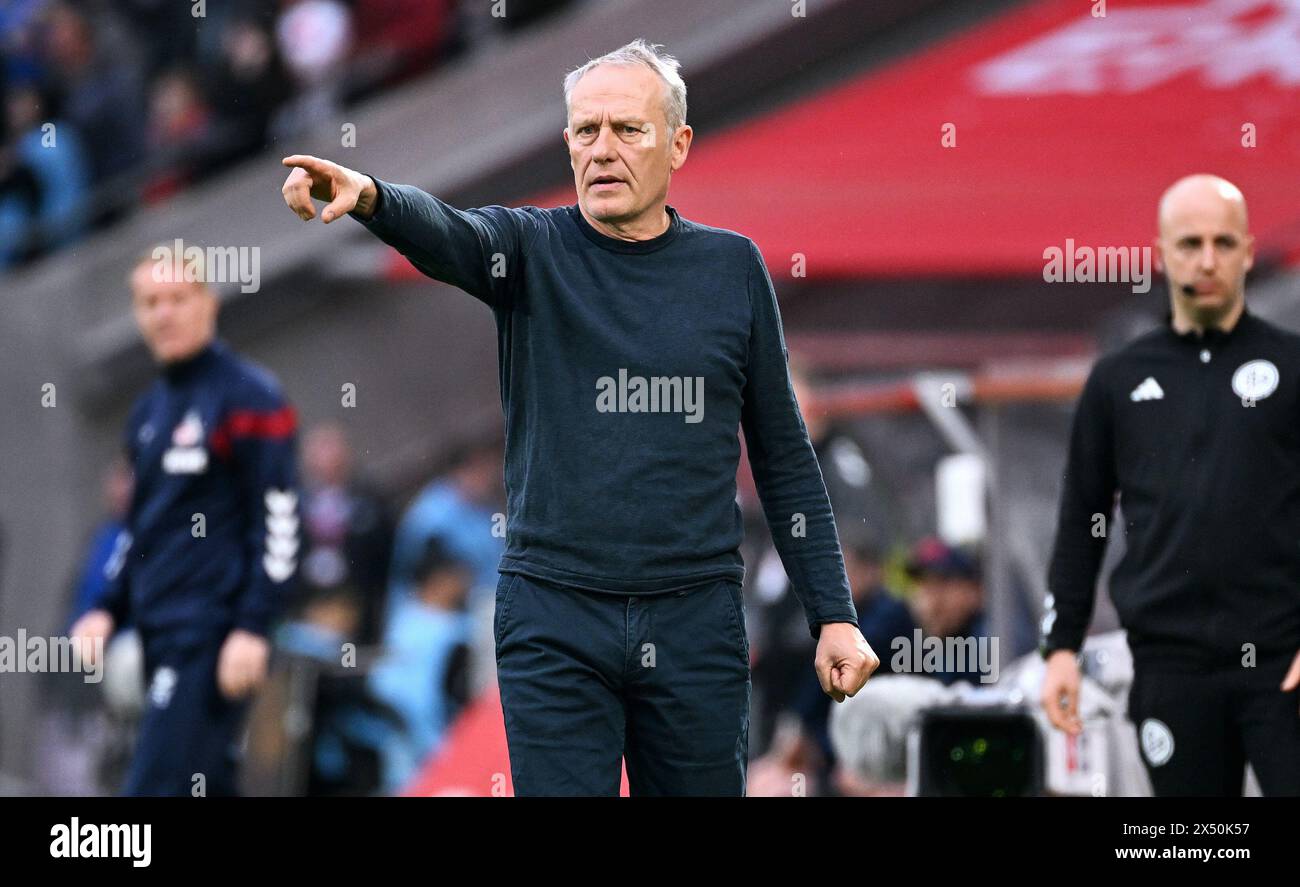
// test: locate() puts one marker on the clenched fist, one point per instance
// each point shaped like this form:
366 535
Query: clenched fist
844 660
344 190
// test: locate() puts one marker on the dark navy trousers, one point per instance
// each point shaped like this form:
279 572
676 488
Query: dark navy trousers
189 732
589 679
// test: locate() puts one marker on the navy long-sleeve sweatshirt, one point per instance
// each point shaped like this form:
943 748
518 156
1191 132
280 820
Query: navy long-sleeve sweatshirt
626 369
212 534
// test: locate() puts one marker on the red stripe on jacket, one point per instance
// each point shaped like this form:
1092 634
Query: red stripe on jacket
243 424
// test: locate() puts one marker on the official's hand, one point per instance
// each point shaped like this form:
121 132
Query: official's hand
91 632
1061 691
344 190
241 667
844 660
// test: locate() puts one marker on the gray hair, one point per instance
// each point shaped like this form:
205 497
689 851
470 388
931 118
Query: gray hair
638 52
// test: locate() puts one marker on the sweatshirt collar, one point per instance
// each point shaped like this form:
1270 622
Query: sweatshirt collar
183 370
613 244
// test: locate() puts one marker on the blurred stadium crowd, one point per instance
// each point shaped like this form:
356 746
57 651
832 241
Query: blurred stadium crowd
146 97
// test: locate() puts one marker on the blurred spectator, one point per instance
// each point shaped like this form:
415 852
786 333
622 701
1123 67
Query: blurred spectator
882 617
460 509
314 38
246 84
20 35
948 600
183 139
167 29
424 673
350 728
99 91
44 178
347 533
327 619
149 98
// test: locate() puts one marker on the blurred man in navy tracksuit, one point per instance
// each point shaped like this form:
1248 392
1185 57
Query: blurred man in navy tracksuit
210 541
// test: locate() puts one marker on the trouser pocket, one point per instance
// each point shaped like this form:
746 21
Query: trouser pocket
736 605
505 596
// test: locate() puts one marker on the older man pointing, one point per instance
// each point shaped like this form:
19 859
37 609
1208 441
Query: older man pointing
632 344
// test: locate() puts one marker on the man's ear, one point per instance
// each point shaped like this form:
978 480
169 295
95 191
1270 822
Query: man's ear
1156 255
681 147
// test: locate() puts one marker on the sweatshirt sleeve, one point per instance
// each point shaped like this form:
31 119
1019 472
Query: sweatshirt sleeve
786 472
1088 491
479 250
259 432
114 597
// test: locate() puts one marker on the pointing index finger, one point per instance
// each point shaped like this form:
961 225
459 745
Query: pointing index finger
306 161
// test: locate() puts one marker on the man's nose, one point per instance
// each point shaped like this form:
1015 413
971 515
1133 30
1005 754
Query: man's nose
1209 258
603 148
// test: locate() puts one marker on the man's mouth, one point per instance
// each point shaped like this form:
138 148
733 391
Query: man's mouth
606 183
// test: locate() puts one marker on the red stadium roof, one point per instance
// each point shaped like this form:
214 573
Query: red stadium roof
1066 126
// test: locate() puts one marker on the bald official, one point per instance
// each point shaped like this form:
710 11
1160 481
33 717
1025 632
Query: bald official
1193 428
632 345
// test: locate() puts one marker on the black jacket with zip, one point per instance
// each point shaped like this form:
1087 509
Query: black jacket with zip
1199 437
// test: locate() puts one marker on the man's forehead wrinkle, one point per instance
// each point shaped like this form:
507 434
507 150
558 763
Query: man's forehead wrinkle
616 106
618 99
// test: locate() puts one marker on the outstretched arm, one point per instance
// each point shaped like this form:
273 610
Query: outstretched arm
478 250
